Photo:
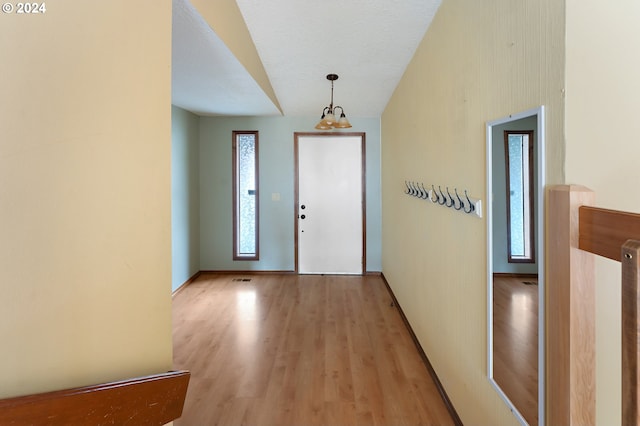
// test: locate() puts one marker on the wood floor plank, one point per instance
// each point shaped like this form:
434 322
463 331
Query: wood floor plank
515 342
299 350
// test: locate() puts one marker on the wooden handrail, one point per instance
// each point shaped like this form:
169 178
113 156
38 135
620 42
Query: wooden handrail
614 235
149 400
603 231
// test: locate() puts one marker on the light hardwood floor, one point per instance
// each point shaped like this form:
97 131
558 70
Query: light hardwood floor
515 342
299 350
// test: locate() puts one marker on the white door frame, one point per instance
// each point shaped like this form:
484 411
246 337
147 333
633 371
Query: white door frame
296 206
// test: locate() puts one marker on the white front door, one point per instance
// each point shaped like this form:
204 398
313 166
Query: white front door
330 225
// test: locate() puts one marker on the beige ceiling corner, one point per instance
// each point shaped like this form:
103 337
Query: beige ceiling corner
224 17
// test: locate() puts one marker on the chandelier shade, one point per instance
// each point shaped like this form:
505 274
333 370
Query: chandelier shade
328 119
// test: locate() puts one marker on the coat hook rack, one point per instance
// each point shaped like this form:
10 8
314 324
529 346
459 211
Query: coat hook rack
457 202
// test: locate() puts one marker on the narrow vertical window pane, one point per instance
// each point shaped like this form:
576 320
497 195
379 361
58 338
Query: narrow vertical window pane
520 196
245 170
516 192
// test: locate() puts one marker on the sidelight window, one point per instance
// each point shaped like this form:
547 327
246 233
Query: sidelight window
520 229
245 195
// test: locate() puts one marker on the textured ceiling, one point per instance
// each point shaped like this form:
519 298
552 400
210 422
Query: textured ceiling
206 77
368 43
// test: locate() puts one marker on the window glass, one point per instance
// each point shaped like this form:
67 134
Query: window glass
519 162
245 153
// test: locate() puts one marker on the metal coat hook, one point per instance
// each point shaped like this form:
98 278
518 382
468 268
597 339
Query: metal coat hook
443 198
433 191
408 191
471 206
460 202
453 203
425 192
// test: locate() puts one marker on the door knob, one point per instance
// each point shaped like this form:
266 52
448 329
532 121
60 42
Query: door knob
303 207
302 217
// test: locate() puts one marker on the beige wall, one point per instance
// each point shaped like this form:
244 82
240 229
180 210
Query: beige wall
602 127
477 63
85 249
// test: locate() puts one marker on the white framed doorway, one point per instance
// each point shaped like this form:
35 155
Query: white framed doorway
330 225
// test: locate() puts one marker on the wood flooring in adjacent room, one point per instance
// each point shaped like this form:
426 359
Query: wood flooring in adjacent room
299 350
515 342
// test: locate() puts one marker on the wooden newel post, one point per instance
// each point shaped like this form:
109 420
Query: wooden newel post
630 331
570 312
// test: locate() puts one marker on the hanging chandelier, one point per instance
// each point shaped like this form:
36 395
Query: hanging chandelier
328 120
